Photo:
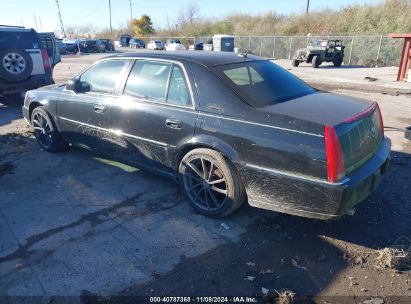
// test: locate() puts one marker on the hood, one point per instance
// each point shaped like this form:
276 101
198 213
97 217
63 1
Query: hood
320 108
302 50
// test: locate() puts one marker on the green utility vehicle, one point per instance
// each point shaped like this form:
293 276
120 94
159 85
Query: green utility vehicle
319 51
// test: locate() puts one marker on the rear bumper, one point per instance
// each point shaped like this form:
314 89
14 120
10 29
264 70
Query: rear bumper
312 197
33 82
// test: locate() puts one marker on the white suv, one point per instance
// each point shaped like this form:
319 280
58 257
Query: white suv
26 59
155 45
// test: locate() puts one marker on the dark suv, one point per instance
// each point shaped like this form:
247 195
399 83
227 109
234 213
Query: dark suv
26 62
89 46
109 44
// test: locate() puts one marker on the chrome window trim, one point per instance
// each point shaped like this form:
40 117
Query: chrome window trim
182 108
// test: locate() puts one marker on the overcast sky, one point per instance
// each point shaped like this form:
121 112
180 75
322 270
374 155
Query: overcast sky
96 12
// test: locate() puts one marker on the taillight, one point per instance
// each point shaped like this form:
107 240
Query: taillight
381 121
334 155
46 59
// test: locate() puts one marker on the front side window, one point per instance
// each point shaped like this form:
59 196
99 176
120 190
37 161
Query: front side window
178 93
148 79
103 76
262 83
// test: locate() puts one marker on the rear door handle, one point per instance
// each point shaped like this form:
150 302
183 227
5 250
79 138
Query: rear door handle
174 124
99 109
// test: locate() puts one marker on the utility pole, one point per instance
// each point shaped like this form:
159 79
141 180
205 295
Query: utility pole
35 21
61 20
41 26
109 8
308 6
131 11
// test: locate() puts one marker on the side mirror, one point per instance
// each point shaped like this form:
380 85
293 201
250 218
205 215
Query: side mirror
77 86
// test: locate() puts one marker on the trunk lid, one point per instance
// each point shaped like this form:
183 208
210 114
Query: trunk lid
358 123
320 108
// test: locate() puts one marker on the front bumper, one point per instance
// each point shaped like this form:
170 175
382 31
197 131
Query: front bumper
26 114
33 82
313 197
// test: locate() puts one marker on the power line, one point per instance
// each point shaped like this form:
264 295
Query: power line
61 20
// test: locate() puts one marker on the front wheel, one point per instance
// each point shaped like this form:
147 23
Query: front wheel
337 60
46 132
211 183
316 62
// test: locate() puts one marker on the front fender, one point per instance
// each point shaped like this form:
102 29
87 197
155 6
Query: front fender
37 98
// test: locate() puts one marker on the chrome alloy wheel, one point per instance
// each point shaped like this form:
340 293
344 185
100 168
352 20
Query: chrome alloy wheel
42 129
205 184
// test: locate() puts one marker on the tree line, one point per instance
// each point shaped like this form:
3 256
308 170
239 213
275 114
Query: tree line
377 18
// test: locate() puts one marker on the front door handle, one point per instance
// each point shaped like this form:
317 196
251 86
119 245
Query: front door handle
174 124
99 109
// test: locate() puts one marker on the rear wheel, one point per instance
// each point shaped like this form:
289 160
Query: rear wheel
316 62
337 60
211 183
46 132
295 63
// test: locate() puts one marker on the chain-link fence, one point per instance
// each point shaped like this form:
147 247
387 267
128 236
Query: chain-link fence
186 41
377 50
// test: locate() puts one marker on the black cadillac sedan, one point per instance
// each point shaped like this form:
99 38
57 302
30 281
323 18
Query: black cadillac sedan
230 128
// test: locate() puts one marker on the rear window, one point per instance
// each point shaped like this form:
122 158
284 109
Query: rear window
262 83
19 40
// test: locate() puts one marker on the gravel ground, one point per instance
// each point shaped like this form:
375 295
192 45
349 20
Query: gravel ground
76 225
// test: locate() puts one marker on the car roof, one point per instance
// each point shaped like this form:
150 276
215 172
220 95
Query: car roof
208 59
15 28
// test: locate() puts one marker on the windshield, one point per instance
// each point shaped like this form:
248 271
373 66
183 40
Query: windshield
263 83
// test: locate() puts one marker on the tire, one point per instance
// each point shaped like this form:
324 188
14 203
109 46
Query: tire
407 133
295 63
337 60
316 62
46 132
204 193
15 64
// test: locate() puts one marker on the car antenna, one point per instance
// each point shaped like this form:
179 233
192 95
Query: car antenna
244 54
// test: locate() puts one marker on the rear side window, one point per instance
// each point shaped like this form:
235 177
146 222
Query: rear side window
148 79
262 83
244 76
19 40
103 76
178 90
48 44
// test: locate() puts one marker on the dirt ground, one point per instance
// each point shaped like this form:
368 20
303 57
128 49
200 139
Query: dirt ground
92 230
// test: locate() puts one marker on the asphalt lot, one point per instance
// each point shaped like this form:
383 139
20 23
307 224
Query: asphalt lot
73 224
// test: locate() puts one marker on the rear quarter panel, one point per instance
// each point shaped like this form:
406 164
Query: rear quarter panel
259 139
